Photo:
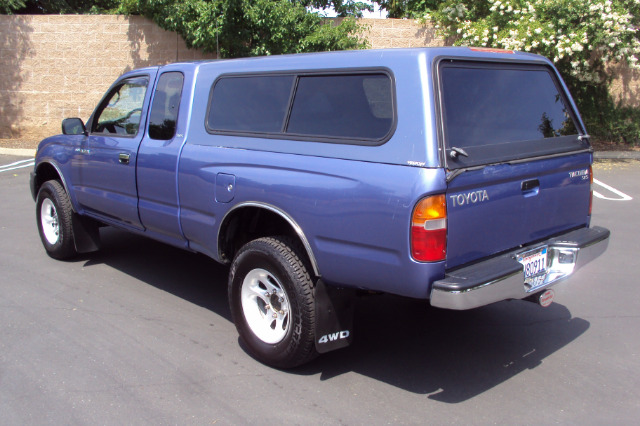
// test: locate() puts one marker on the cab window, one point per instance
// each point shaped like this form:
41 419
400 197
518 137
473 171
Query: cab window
166 103
121 111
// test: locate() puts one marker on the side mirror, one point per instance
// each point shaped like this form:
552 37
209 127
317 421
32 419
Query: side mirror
73 126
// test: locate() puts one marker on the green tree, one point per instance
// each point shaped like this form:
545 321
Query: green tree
238 28
39 7
408 8
342 8
8 6
232 28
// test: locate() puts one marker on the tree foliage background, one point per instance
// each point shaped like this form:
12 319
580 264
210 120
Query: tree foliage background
232 28
37 7
237 28
584 39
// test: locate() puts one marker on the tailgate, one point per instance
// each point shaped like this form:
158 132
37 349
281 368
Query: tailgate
501 207
517 156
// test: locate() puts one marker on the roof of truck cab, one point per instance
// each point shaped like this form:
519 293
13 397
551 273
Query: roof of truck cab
350 58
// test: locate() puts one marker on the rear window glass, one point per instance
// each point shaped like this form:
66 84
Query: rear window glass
502 112
346 107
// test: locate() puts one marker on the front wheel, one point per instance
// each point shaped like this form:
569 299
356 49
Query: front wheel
54 216
272 303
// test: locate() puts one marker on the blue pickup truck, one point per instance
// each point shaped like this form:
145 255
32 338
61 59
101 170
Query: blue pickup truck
460 176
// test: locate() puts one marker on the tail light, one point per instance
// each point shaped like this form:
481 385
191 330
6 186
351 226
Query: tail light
429 229
590 189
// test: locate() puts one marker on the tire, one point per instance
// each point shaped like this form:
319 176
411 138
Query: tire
272 303
54 216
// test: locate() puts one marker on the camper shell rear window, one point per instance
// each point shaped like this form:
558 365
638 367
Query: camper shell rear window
497 112
350 107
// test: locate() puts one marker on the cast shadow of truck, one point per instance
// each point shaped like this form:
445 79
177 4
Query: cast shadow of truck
451 356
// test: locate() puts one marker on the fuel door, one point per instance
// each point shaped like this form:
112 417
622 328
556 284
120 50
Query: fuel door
225 187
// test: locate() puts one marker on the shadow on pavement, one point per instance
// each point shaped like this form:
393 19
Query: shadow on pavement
192 277
451 356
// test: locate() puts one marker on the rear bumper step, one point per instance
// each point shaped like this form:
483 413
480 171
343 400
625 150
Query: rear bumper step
502 277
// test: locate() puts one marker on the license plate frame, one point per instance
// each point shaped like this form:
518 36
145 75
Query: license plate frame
534 265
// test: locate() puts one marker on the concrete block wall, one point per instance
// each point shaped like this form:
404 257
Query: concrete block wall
58 66
391 33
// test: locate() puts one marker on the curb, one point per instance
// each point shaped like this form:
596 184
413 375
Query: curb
616 155
18 152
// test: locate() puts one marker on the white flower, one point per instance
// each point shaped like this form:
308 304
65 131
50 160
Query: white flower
577 47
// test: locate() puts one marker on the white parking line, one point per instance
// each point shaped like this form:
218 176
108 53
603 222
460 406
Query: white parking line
17 165
622 195
17 162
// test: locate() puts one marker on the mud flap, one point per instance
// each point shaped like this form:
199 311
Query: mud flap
334 317
86 235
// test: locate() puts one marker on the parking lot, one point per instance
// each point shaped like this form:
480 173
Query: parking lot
140 333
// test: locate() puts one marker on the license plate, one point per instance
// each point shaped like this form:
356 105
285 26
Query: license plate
534 262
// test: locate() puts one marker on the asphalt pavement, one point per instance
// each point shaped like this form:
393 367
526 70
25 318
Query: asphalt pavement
140 333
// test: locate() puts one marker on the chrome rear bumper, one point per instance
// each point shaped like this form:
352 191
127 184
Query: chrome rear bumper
502 277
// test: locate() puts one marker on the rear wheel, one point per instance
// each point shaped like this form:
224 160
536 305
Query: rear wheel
55 215
272 304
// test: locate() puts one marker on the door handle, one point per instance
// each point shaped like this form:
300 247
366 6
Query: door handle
123 158
530 187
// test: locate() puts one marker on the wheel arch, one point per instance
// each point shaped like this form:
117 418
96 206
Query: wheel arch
86 237
46 171
251 220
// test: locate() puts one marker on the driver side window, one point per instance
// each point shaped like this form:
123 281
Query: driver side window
121 111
